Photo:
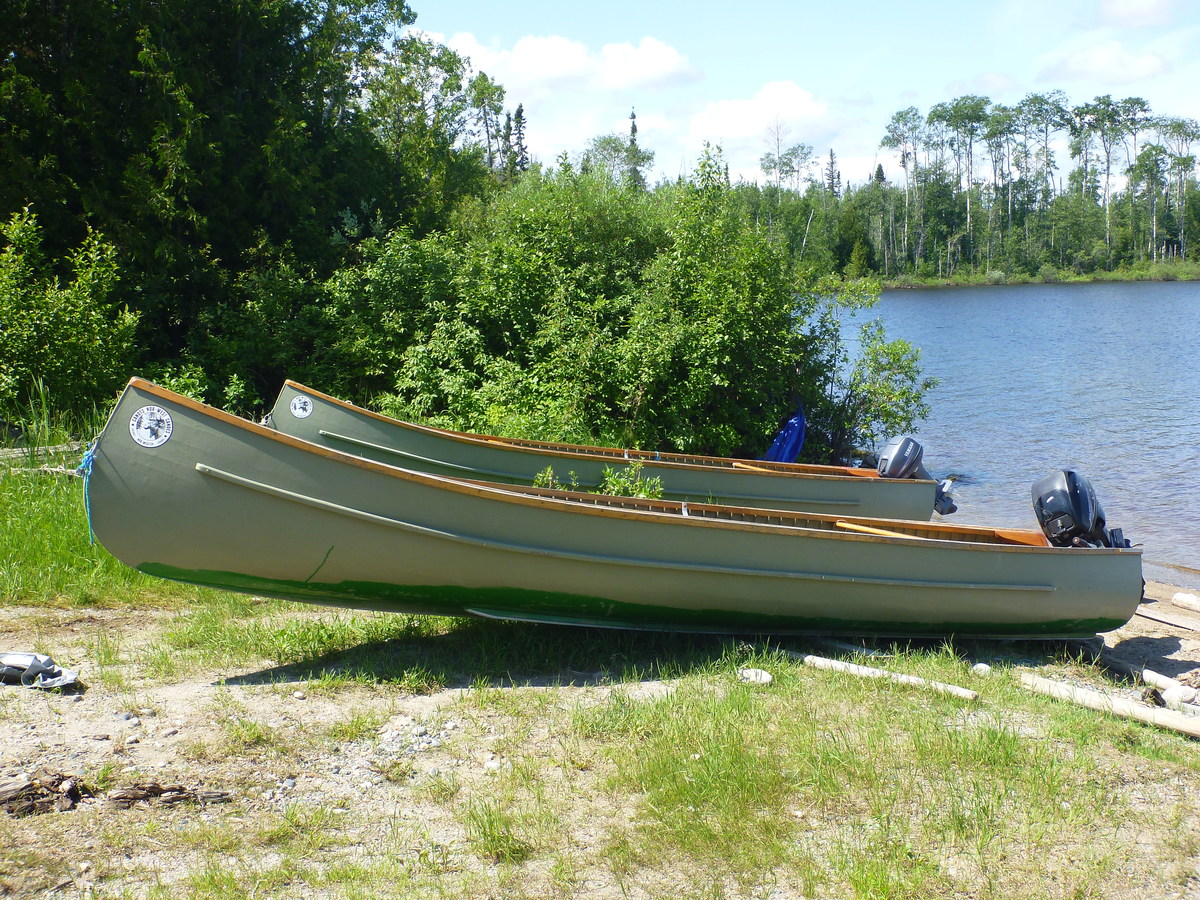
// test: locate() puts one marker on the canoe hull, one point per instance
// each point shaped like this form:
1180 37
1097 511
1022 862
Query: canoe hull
313 416
233 505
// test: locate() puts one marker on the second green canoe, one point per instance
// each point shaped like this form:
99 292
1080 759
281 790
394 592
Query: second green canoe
839 490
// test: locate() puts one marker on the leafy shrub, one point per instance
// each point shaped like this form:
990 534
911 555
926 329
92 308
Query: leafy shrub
630 482
68 342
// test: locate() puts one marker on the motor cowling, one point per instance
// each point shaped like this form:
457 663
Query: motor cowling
902 458
1070 515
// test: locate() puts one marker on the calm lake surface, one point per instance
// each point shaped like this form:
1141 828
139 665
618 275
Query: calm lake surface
1102 379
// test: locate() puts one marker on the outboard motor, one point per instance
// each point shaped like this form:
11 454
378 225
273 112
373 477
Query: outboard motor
901 458
1070 515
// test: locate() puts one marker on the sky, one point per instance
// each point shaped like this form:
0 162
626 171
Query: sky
830 75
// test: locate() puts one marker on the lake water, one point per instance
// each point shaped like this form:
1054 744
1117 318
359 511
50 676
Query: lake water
1099 378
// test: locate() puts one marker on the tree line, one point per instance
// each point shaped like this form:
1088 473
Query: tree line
219 196
1041 188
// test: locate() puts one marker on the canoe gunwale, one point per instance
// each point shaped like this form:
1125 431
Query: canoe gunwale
487 543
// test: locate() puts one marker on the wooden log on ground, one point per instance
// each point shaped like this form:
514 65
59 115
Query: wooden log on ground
1117 706
1168 619
837 665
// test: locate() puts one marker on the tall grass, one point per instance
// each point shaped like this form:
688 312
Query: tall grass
47 557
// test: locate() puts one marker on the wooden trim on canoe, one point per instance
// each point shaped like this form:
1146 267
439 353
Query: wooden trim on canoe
1007 536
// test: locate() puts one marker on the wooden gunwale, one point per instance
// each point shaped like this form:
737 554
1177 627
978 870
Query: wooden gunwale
815 525
646 457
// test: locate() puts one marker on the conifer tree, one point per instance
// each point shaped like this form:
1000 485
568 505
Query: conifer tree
833 176
635 157
520 150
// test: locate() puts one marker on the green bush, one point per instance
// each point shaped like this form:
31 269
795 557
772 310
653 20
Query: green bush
66 342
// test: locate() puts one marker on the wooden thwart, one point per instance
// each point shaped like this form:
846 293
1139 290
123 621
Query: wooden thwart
870 529
1125 709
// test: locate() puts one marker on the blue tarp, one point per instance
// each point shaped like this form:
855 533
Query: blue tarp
787 444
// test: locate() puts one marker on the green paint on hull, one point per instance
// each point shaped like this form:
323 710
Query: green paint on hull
578 609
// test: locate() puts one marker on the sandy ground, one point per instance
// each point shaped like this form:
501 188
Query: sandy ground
176 736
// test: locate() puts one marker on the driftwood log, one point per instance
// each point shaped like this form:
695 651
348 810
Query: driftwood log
1118 706
837 665
43 793
168 795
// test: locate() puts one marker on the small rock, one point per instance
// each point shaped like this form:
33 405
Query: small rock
754 676
76 698
1173 696
299 695
492 765
101 737
1186 600
170 732
133 739
420 731
981 669
134 721
126 716
289 783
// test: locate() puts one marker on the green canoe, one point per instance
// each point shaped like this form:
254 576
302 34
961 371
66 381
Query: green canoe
180 490
841 490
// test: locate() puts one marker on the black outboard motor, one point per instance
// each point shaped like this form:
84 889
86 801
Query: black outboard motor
1070 515
901 458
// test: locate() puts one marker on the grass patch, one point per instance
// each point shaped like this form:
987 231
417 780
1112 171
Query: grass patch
357 726
497 832
738 780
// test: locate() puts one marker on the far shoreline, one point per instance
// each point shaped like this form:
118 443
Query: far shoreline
1158 272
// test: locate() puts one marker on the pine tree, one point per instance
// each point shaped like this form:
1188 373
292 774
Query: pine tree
518 139
635 157
833 177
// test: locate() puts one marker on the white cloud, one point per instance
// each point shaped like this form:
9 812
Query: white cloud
1107 62
539 65
651 64
777 101
1136 13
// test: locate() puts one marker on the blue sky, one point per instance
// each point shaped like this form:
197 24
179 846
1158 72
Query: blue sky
828 74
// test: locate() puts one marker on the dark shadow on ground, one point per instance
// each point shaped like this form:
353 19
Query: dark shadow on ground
492 653
485 652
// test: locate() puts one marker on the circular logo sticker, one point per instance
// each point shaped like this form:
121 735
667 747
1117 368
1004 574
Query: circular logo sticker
302 407
151 426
